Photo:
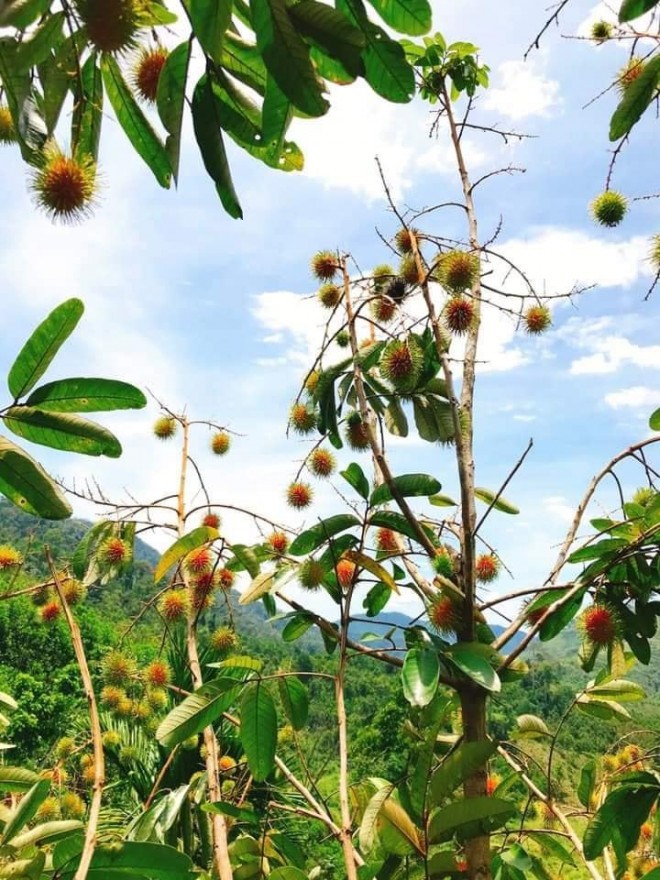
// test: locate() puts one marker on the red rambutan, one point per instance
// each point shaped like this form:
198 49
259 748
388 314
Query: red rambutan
324 265
147 72
487 568
459 314
386 541
321 462
299 495
345 573
599 624
278 543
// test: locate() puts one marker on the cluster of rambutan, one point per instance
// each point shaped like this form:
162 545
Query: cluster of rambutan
47 600
133 693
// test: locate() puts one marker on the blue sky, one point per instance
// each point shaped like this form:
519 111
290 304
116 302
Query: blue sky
217 315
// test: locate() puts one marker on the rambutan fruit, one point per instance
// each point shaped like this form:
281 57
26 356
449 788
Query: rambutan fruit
343 339
127 755
461 866
226 764
545 813
224 640
321 462
72 805
537 319
157 698
381 274
302 419
174 605
443 563
299 495
42 595
324 265
111 25
58 775
458 271
397 290
165 427
7 127
49 810
117 668
487 568
278 543
312 381
357 432
459 314
403 240
74 591
401 363
492 782
387 541
201 591
311 574
64 747
124 707
111 739
50 612
114 551
112 696
408 270
599 625
601 31
654 252
609 208
212 521
646 831
533 615
9 557
64 186
198 560
345 570
329 296
445 614
141 711
220 442
158 673
89 775
147 72
643 496
629 73
226 578
610 763
383 309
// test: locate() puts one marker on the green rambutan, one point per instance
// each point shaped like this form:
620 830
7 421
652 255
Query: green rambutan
324 265
49 810
445 614
7 127
174 605
401 363
459 314
458 271
64 747
157 698
643 496
111 25
64 186
299 495
311 574
10 557
165 427
381 275
343 339
609 208
601 31
321 462
117 668
147 71
224 640
329 296
383 309
443 563
487 568
302 419
599 625
654 252
74 591
278 543
357 432
312 381
629 73
403 240
537 319
127 755
220 442
408 270
112 696
72 805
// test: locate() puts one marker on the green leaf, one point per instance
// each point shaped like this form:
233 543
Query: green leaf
408 485
244 61
531 727
637 97
286 56
354 476
396 421
390 519
560 618
133 860
247 558
197 711
467 657
501 504
606 710
654 421
225 809
36 355
262 584
210 19
295 700
206 123
138 130
157 13
47 833
312 538
469 818
297 626
37 48
619 819
458 766
411 17
183 546
618 689
17 779
63 431
373 567
30 128
376 599
88 111
419 676
86 395
26 484
57 74
258 729
21 15
631 9
26 809
442 501
586 784
170 100
331 32
287 873
608 546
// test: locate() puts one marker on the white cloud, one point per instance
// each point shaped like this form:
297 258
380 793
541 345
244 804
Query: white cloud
558 507
520 90
612 353
637 397
604 11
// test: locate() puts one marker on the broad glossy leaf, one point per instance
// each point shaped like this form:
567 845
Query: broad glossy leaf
636 99
86 395
408 485
560 618
331 32
411 17
63 431
619 689
586 784
26 809
17 779
47 833
631 9
354 476
654 421
258 729
37 47
262 584
606 710
288 872
286 56
442 501
36 355
183 546
197 711
469 818
243 60
373 567
88 111
208 133
20 95
465 760
501 504
131 860
295 700
419 676
277 113
170 100
619 819
297 626
390 519
137 128
160 817
531 727
21 15
312 538
57 74
210 19
226 809
246 558
467 657
376 599
27 485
